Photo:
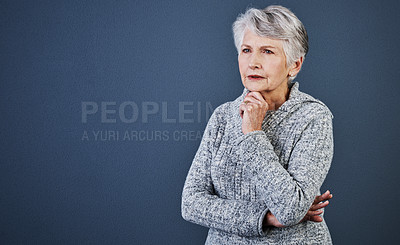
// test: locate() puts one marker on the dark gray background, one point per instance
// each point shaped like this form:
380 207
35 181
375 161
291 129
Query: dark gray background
57 189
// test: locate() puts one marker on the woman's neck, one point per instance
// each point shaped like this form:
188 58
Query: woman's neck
276 97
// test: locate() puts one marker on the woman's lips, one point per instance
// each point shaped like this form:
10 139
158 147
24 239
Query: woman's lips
255 77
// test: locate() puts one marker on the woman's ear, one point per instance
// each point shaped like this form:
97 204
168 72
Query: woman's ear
295 68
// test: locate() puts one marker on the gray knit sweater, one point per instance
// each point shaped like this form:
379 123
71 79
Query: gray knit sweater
235 178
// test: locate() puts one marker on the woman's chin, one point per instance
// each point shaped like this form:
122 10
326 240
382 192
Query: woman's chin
254 88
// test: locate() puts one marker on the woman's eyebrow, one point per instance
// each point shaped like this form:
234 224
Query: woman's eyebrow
262 47
268 46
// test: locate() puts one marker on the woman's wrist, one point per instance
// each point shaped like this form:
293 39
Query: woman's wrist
270 220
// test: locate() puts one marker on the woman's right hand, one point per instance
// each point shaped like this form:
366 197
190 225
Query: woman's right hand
319 203
313 213
252 111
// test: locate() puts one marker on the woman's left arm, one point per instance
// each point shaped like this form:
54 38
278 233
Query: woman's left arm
289 193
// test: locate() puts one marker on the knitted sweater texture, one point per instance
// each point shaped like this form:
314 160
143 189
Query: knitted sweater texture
235 179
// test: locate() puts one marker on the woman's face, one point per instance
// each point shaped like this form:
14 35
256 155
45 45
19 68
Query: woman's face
262 64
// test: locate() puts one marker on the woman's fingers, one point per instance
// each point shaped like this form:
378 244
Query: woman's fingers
325 196
319 205
313 213
245 106
250 99
315 218
242 108
249 103
257 96
321 201
252 111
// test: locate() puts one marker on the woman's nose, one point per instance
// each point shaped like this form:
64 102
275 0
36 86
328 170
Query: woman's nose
255 62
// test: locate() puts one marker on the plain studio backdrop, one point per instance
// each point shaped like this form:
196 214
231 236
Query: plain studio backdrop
103 103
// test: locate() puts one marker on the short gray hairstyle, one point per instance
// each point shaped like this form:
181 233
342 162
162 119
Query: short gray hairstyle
275 22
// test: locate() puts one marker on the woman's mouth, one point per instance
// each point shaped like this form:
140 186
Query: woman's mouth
255 77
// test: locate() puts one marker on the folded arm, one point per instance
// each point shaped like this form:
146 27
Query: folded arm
289 193
202 206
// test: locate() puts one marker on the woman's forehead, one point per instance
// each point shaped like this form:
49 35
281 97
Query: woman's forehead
252 39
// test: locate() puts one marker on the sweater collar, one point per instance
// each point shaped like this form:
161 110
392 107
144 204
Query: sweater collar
296 97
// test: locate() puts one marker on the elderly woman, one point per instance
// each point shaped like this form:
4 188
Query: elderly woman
256 176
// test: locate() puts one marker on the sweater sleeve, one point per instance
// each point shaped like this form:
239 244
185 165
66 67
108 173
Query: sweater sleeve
289 193
200 203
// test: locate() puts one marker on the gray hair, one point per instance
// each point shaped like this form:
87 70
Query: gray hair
275 22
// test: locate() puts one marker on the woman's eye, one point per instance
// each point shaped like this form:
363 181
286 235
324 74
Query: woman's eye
246 50
267 51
